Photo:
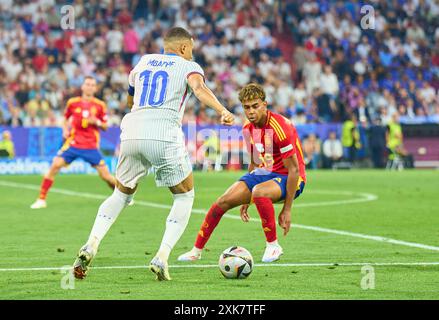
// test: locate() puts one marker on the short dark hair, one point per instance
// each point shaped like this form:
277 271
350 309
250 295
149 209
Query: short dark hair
90 77
177 33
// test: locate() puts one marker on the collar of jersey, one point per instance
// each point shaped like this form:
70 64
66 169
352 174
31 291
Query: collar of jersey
266 122
268 117
170 54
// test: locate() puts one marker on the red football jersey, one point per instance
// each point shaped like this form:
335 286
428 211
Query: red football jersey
277 140
83 135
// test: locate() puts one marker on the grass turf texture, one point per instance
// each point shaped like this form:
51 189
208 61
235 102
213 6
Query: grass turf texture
406 209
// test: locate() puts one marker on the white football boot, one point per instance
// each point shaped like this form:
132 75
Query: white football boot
272 253
194 254
160 269
131 203
39 204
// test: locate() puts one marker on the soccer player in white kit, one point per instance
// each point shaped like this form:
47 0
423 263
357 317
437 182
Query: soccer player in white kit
151 136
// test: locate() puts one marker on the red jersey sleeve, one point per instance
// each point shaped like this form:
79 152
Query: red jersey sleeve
285 138
69 109
103 113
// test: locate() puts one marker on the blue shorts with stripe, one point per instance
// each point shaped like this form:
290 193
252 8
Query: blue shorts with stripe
258 176
92 156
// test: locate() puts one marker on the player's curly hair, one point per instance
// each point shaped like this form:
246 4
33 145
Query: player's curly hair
252 91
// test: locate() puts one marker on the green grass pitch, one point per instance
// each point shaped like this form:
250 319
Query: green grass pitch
343 221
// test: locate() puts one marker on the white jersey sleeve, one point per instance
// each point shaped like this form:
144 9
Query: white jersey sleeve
194 67
159 86
131 79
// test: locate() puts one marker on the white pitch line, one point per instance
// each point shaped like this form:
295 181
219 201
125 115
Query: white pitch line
203 212
323 264
365 197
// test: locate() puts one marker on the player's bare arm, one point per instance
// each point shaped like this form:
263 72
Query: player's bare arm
292 164
130 101
206 96
65 129
98 123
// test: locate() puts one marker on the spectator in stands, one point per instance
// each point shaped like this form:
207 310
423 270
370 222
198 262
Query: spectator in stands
22 94
312 71
323 106
16 118
8 102
273 51
38 106
40 61
299 117
7 148
362 111
329 83
31 119
332 150
311 151
130 43
351 139
113 118
377 142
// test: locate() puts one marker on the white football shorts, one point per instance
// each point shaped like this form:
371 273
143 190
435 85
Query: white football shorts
169 160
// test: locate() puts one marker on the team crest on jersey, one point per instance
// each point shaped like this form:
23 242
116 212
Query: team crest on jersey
93 111
259 147
78 110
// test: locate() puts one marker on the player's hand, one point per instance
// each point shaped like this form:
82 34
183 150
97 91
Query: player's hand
244 214
285 220
94 121
227 118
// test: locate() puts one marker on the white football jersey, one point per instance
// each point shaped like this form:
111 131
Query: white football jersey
161 91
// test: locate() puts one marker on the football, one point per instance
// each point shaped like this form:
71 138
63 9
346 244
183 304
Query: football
236 263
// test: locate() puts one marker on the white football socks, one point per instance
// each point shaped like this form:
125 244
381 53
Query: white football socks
107 214
176 222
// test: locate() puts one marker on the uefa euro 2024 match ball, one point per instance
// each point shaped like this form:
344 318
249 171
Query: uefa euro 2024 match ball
236 263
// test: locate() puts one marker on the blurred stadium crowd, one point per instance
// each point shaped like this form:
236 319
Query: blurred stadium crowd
315 62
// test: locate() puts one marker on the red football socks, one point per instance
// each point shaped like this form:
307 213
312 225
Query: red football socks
45 186
266 212
209 224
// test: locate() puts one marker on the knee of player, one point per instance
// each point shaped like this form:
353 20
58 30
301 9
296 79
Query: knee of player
259 192
223 203
56 167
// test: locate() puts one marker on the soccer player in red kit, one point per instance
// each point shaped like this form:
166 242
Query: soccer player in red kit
276 173
84 117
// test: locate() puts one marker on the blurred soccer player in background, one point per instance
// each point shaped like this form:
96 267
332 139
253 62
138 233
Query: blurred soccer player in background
276 173
395 143
84 116
151 136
